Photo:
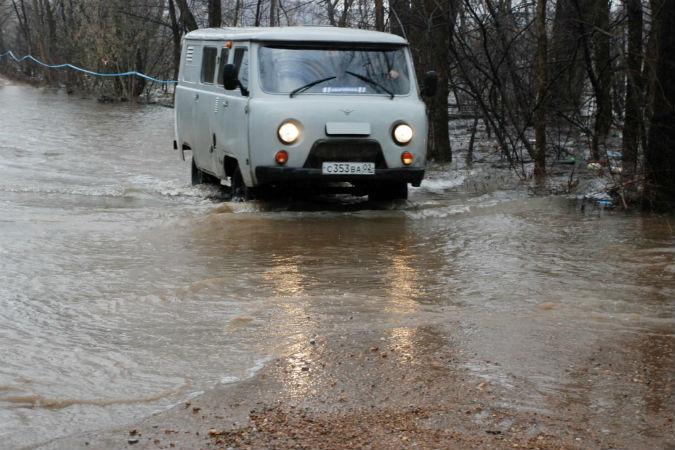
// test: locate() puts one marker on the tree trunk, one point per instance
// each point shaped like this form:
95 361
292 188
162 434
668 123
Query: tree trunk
428 25
438 45
633 115
256 22
24 24
379 15
176 37
215 14
660 151
139 83
41 44
344 17
469 153
399 13
542 88
237 11
603 70
566 71
186 15
274 4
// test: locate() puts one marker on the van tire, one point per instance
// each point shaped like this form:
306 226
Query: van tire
388 192
201 177
240 192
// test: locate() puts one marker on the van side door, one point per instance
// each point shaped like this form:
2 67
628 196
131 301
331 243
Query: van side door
204 145
218 116
235 116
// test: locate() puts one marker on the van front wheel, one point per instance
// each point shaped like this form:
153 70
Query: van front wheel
201 177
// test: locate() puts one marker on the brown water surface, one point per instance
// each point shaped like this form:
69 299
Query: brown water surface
124 290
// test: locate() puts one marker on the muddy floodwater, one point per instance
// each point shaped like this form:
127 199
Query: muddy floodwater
125 291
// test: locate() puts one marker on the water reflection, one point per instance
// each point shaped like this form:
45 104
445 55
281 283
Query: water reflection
405 290
297 379
285 277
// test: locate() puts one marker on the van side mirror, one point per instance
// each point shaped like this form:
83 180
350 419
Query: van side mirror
430 84
230 81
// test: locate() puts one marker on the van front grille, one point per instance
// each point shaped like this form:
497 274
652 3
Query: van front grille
345 150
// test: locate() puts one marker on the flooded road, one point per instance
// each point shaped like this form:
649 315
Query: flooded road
124 290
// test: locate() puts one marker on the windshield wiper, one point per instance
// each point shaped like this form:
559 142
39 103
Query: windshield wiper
371 81
309 85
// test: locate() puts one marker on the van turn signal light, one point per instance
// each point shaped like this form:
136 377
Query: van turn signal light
407 158
281 157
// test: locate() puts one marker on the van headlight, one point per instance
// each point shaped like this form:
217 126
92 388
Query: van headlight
288 132
402 133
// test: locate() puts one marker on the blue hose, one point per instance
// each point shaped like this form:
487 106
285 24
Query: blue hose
79 69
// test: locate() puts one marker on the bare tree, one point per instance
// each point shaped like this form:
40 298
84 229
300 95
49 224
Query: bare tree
379 15
274 13
215 12
542 93
660 150
23 19
566 61
186 16
428 24
494 60
176 34
602 76
633 114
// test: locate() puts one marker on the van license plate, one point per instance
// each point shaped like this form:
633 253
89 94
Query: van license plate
348 168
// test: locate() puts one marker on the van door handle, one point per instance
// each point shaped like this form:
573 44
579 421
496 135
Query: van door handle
196 97
225 104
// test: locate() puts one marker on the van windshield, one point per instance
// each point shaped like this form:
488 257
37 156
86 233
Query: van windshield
344 71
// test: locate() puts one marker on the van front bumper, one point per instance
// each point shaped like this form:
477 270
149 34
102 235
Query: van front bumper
275 174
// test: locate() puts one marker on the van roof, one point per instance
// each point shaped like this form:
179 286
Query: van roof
297 34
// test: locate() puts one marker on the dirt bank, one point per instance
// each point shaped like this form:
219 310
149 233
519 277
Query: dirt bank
411 388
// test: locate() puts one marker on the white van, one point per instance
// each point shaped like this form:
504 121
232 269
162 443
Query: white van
302 106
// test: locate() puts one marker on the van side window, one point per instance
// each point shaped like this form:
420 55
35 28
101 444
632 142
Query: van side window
241 64
224 55
209 64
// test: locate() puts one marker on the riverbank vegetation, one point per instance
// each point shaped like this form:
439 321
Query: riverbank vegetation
587 81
